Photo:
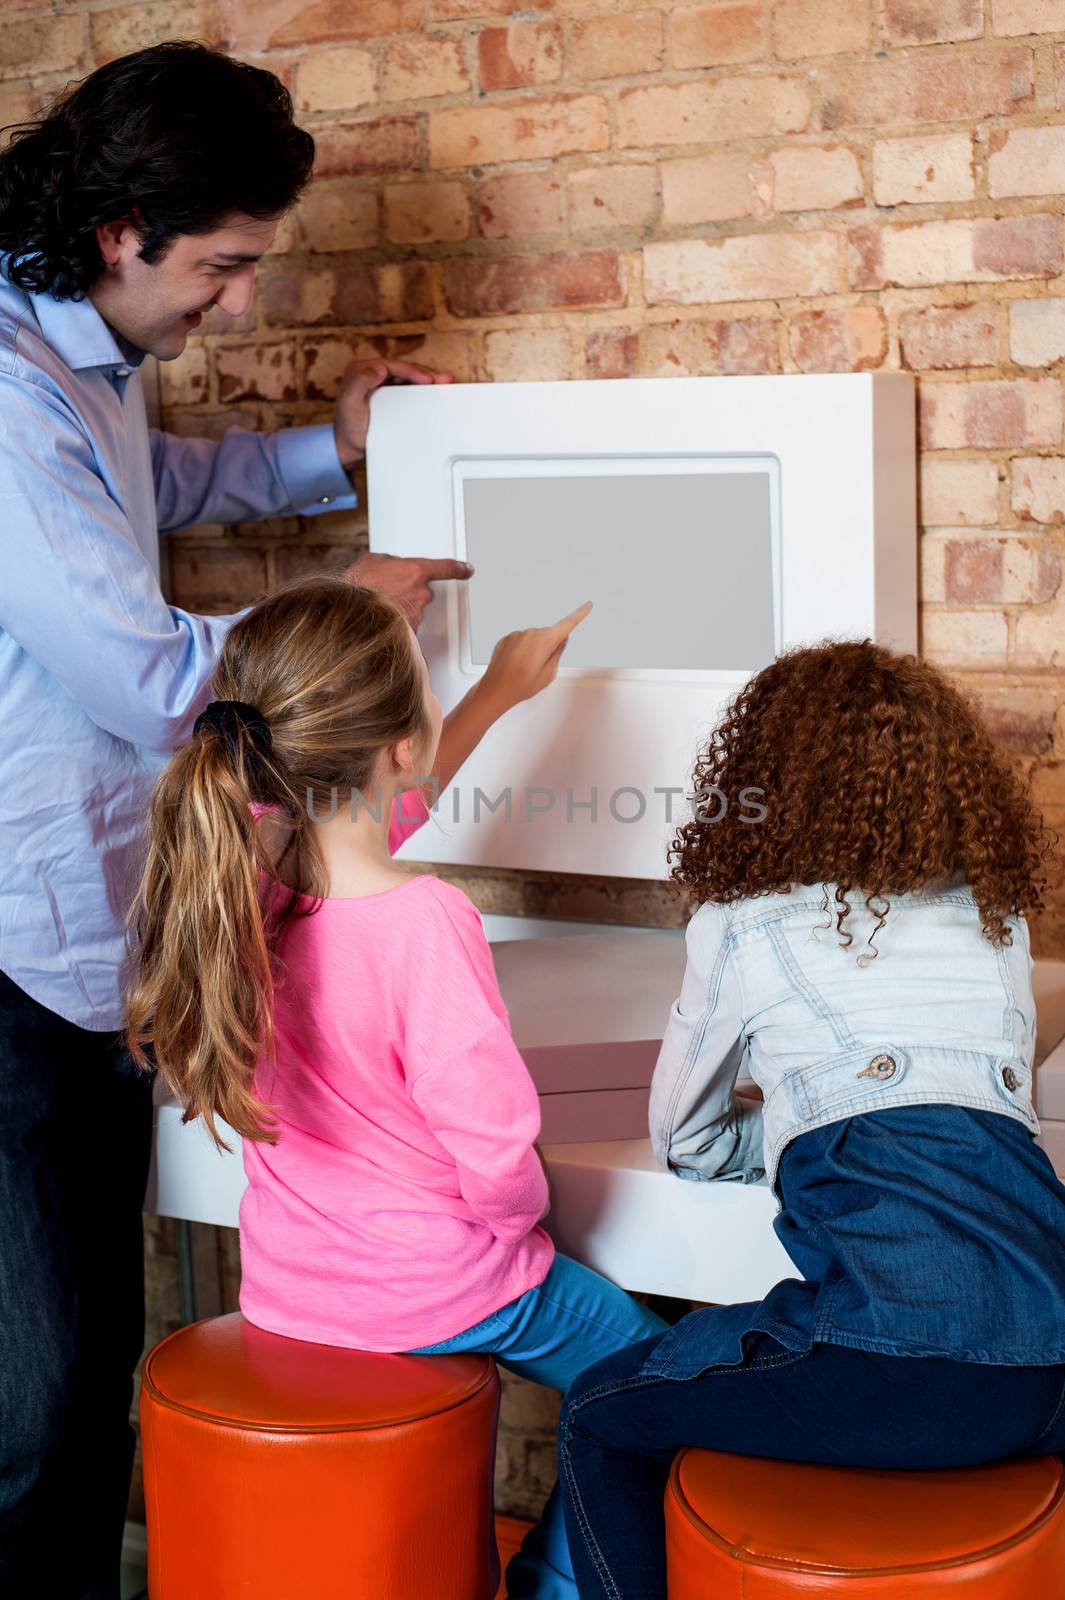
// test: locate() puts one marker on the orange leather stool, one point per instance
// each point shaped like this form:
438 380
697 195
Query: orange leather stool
763 1530
284 1470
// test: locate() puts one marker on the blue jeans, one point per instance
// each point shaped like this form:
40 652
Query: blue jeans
550 1334
623 1422
75 1138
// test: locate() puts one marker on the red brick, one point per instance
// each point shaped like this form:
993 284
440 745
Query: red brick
528 355
850 340
691 348
708 109
280 24
1039 488
399 291
615 46
968 639
719 35
932 21
517 130
749 345
994 414
523 54
338 216
820 28
919 170
388 144
1037 332
339 79
989 571
489 285
33 45
713 188
955 251
1028 16
610 353
1026 161
767 266
1018 719
423 67
298 298
216 578
116 33
957 491
256 371
519 205
1039 641
972 570
958 335
612 197
810 177
1019 247
940 86
421 213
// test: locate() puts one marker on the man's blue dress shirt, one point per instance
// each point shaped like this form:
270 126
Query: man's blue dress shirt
99 677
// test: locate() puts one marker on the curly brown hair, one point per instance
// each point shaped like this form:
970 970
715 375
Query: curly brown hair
873 772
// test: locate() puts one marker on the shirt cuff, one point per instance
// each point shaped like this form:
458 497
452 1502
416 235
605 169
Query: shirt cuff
310 469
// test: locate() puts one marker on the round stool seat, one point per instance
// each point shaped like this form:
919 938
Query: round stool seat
763 1530
285 1470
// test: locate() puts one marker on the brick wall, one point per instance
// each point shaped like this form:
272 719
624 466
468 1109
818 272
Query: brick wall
603 188
596 189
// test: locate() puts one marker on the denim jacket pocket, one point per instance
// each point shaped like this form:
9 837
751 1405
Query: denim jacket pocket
878 1075
842 1082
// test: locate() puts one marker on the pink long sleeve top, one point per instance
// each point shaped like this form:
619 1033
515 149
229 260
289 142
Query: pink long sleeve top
400 1203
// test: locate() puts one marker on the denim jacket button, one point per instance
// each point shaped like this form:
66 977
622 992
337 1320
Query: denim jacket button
1010 1078
881 1067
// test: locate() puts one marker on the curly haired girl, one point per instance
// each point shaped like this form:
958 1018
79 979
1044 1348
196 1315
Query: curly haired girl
896 1129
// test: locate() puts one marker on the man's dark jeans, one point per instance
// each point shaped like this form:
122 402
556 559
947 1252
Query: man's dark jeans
621 1426
75 1139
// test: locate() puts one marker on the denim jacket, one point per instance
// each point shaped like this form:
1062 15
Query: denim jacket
940 1016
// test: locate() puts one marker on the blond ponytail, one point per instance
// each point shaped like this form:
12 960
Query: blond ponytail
332 673
203 997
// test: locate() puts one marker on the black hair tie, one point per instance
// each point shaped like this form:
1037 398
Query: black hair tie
228 716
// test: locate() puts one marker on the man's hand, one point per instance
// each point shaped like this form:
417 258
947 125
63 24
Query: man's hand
405 579
358 383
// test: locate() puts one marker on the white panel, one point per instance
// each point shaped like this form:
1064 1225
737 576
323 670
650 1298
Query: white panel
591 776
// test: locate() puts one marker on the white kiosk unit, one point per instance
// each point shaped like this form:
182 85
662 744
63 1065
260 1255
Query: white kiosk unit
712 522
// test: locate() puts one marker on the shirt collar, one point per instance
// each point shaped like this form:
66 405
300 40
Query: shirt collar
78 334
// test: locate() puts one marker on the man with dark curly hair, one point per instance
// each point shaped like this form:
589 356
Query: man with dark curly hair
143 197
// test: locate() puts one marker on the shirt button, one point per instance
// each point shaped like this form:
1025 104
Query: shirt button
324 499
1010 1078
